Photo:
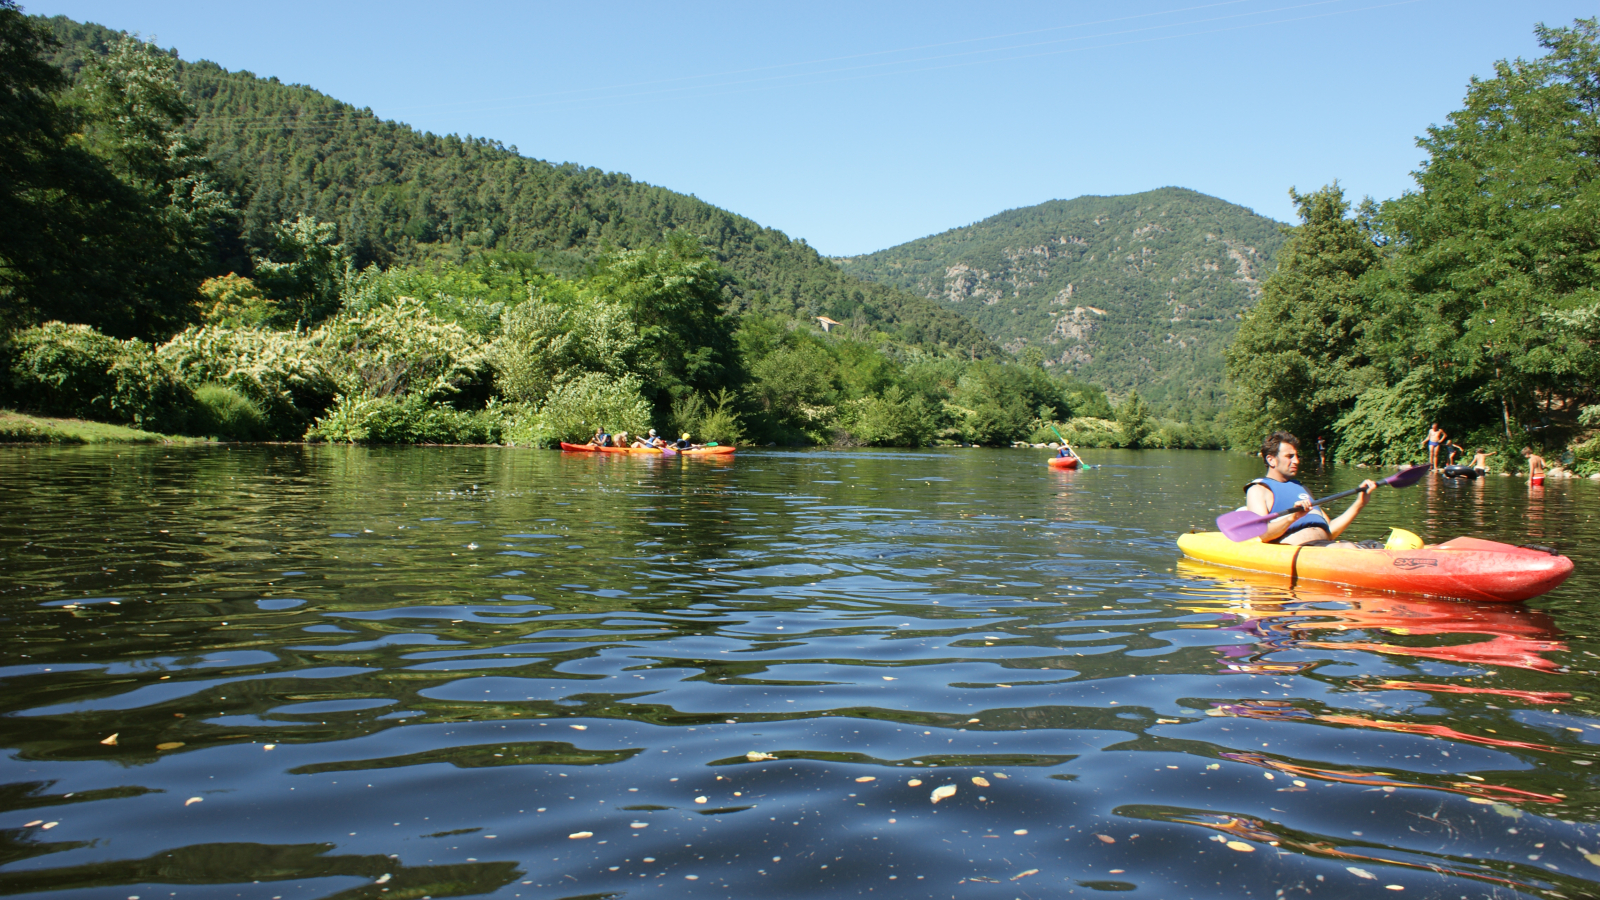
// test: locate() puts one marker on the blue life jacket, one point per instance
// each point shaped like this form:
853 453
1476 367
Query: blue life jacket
1285 494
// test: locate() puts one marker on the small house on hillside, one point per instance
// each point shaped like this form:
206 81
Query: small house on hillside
827 323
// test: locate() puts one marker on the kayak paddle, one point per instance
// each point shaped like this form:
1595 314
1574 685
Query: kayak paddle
1242 524
667 451
1069 446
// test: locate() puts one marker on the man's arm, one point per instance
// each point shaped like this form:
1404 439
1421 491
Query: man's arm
1258 499
1337 526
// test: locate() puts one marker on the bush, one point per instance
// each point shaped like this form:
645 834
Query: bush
74 370
281 372
234 301
573 409
705 422
1082 431
546 342
410 419
399 348
1133 420
1388 424
893 419
226 414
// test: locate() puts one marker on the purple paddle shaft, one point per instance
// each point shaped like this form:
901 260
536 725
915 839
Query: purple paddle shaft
1242 524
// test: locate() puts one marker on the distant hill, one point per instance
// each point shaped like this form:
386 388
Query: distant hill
403 196
1143 290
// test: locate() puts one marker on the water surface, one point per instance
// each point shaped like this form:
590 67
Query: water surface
293 672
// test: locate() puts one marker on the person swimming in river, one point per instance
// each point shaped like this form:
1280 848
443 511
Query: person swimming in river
1535 467
1298 522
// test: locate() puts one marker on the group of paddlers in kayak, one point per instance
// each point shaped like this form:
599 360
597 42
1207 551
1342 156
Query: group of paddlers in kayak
651 441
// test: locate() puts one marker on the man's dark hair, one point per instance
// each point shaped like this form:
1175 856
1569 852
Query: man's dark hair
1275 441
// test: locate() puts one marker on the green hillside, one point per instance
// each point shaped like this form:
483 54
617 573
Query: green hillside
402 196
1139 291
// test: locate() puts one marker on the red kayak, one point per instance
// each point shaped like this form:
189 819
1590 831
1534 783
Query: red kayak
1063 462
590 448
1465 568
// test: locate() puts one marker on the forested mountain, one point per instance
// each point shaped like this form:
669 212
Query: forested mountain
401 196
1138 291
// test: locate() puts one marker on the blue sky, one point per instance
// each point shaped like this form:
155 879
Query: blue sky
857 126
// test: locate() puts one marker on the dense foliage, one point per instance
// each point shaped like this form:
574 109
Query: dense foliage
1473 300
107 205
395 287
1140 291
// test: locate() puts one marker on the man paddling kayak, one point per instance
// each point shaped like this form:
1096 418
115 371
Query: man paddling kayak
1280 494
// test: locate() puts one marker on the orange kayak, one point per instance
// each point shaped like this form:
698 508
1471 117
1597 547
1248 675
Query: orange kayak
1063 462
590 448
1464 568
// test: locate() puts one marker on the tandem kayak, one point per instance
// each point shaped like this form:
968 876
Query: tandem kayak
1063 462
590 448
1464 568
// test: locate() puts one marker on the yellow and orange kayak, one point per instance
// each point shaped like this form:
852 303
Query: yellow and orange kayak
1464 568
590 448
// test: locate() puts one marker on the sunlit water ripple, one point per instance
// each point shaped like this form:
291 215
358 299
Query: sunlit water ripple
291 672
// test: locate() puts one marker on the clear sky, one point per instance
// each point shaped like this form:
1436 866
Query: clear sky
860 125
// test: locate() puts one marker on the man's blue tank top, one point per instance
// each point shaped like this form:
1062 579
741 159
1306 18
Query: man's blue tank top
1285 494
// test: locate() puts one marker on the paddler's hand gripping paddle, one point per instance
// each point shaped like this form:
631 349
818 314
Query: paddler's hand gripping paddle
1242 524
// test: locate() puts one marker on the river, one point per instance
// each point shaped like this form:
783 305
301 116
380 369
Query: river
299 672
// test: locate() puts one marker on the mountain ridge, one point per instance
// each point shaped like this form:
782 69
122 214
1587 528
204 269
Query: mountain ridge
1134 291
402 196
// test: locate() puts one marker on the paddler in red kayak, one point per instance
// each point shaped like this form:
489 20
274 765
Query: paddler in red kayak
1279 492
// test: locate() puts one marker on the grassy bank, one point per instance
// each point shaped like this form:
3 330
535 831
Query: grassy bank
19 428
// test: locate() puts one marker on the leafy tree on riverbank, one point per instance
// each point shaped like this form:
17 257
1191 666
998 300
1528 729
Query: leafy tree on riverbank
1297 361
107 205
1474 300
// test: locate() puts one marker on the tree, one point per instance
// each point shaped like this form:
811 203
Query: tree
106 208
1297 363
305 270
1133 420
129 112
674 294
1493 295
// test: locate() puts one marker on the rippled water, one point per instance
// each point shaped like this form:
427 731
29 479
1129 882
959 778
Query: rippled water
295 672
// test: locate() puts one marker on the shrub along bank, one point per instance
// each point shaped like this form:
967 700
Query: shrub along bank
496 351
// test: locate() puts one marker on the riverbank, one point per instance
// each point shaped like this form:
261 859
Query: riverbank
20 428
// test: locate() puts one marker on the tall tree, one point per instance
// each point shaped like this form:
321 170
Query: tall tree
675 294
1494 294
130 114
106 206
1297 362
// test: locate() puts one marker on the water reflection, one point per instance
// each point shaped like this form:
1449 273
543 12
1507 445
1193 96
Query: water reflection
330 672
